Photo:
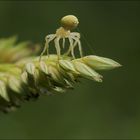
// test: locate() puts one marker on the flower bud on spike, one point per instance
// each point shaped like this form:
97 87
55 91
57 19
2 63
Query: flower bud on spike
100 63
15 84
67 65
3 91
43 67
86 71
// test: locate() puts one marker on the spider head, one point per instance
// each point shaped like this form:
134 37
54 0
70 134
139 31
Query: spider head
69 22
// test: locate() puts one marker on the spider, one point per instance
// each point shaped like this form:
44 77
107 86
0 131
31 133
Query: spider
68 23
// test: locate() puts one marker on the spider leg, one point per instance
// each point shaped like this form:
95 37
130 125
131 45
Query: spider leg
71 44
79 44
57 46
48 39
63 45
71 47
75 43
75 34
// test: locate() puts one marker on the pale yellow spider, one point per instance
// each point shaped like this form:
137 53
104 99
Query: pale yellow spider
68 23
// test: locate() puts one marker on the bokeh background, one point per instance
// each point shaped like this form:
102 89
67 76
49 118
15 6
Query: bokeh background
93 110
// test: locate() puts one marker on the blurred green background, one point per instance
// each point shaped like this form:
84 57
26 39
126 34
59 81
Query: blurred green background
93 110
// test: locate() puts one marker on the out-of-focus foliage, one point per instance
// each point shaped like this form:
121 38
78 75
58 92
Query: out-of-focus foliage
11 51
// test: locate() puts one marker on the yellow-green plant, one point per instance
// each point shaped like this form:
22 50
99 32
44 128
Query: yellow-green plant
24 75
